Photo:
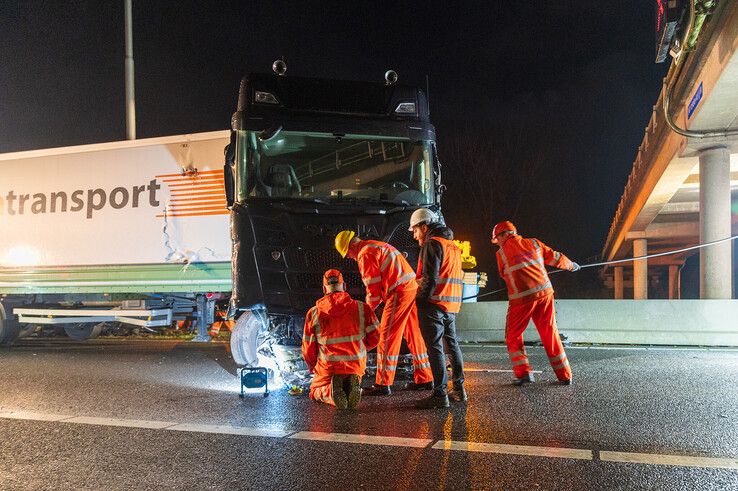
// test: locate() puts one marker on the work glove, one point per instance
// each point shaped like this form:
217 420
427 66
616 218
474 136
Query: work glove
575 267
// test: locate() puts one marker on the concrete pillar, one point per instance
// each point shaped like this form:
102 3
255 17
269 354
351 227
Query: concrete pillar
640 270
618 282
674 293
715 261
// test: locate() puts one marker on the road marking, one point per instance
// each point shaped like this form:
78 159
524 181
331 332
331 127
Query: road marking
563 453
612 347
363 439
33 416
499 448
494 370
676 460
655 348
229 430
128 423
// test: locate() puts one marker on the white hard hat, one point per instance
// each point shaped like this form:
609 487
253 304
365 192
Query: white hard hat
422 215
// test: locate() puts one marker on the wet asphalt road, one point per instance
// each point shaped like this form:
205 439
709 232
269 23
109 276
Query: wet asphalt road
669 402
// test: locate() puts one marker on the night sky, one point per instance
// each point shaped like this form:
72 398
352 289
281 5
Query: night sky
564 88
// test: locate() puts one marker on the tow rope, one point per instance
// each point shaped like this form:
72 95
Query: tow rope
619 261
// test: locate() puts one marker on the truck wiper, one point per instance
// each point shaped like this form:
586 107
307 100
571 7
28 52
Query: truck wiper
300 200
369 199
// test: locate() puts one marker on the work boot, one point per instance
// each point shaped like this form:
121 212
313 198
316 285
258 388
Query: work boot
566 381
423 386
458 393
525 379
354 391
433 402
339 395
378 390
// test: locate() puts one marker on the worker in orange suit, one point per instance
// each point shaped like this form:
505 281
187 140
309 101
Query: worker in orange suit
337 335
389 279
522 264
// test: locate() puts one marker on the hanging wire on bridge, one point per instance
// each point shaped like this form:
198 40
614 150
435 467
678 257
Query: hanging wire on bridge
619 261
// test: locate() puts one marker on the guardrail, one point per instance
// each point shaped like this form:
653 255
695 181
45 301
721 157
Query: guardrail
651 322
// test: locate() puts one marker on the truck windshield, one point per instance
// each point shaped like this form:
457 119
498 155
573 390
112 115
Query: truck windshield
322 166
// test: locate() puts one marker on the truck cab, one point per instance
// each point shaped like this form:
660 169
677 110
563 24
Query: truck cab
311 157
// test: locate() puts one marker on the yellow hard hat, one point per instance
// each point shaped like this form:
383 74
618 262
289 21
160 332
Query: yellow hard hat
343 239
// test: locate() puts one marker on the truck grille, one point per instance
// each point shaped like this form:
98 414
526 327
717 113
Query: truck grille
318 260
314 281
403 240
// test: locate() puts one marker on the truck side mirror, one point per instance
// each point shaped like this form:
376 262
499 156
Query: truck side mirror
228 169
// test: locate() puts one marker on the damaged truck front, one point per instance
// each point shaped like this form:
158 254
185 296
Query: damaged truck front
307 159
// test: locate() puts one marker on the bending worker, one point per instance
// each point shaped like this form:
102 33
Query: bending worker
522 264
389 278
441 281
338 332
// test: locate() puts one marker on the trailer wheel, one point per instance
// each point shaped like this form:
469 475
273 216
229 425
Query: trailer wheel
84 331
246 336
9 328
26 330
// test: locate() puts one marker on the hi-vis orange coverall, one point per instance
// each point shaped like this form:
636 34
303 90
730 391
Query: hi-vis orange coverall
521 263
389 278
338 332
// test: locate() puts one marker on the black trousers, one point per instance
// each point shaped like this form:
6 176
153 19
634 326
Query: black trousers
438 326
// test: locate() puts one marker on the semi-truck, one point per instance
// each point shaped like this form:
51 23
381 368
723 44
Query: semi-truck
144 232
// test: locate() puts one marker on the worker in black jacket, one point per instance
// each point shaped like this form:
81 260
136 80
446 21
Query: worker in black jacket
440 280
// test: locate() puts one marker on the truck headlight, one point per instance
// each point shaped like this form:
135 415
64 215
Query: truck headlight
405 108
265 98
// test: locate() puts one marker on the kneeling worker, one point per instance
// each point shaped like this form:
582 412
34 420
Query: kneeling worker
338 332
522 264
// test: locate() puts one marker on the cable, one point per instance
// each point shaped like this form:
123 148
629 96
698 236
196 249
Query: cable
667 253
619 261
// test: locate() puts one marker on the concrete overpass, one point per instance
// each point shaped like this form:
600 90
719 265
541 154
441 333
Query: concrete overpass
684 190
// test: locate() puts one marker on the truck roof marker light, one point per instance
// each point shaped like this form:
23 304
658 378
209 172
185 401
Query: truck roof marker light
265 98
279 67
405 108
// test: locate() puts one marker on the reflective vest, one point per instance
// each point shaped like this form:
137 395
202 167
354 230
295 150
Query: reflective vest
522 264
337 344
383 270
450 282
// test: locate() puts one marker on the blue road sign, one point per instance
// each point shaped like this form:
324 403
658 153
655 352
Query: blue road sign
696 98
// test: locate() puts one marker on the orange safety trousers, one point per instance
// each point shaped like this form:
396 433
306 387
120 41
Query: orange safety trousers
541 311
400 319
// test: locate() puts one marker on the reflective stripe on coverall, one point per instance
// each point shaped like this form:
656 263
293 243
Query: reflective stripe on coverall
336 343
450 282
389 278
521 263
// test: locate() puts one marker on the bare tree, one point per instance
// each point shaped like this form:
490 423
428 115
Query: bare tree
495 166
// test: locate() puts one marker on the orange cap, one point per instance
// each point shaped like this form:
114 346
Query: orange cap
332 277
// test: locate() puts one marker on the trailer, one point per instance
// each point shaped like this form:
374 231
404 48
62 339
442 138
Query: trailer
132 232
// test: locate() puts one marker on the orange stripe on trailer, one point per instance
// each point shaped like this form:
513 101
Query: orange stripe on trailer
192 182
211 192
208 206
205 213
192 173
199 182
194 177
190 195
196 199
192 208
196 187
